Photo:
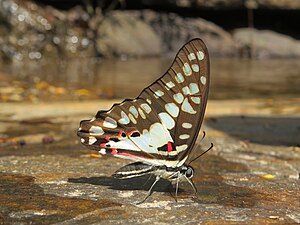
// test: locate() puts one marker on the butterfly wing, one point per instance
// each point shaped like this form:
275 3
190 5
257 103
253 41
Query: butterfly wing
161 125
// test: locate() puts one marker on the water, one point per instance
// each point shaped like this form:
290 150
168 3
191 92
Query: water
230 78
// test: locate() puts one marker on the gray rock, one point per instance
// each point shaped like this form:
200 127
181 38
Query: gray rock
225 4
32 32
266 43
175 31
143 33
123 33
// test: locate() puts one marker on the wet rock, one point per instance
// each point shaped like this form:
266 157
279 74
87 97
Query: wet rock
266 44
245 179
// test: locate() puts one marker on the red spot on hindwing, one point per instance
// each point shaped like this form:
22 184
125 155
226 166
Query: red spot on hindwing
114 151
121 133
102 145
170 147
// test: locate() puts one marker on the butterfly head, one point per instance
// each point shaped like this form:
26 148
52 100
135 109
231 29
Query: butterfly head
187 171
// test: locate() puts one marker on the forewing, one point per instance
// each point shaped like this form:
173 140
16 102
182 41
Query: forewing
180 96
161 125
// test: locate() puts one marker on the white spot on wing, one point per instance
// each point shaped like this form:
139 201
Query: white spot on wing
170 84
196 100
102 151
200 55
187 69
96 130
187 125
191 56
178 98
186 107
82 140
124 144
124 120
92 140
203 80
194 88
179 78
181 148
172 109
109 123
195 68
132 118
146 108
133 110
167 120
184 136
141 113
159 135
186 90
149 101
158 93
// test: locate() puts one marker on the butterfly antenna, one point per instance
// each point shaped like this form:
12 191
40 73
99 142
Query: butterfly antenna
203 136
211 146
198 143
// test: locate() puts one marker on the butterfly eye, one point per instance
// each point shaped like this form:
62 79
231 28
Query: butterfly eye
189 172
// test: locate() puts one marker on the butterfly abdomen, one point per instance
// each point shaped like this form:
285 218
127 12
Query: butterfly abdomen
133 170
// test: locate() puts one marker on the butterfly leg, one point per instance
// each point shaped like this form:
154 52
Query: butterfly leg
193 185
177 185
150 190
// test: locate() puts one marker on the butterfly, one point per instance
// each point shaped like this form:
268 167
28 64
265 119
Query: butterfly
159 128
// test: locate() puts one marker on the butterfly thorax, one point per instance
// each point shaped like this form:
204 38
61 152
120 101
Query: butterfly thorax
176 173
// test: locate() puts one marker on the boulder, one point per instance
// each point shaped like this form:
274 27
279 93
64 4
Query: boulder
221 4
266 44
144 33
122 33
175 30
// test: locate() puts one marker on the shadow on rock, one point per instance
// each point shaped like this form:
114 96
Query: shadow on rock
137 183
212 187
267 131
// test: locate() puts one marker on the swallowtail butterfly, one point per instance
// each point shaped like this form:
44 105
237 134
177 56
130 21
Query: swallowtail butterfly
159 128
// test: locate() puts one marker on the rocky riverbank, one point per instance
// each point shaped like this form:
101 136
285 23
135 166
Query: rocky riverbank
31 31
250 177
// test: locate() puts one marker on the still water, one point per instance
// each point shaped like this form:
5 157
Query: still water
230 78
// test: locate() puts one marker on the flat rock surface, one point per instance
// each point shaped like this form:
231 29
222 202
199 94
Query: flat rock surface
251 175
